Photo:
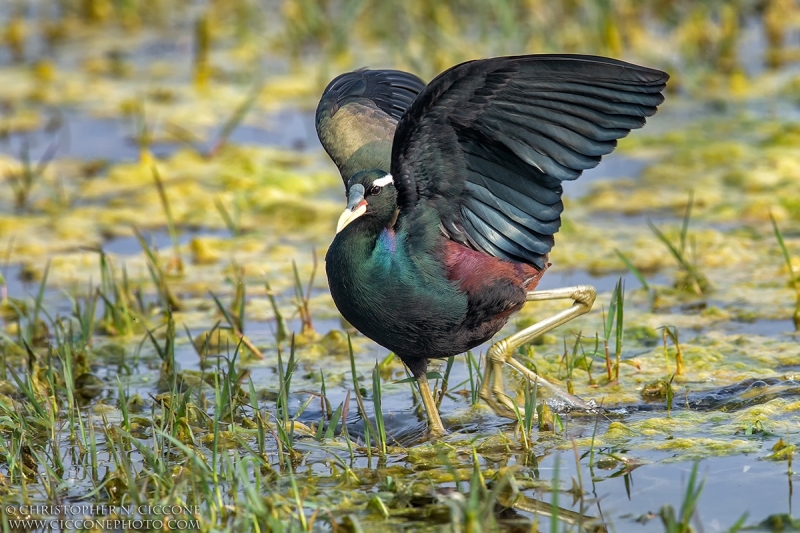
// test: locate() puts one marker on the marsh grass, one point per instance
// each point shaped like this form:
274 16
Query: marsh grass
640 277
23 180
527 416
475 508
123 307
235 318
794 281
693 277
169 302
211 149
285 426
35 330
177 261
680 522
234 120
441 392
377 403
671 332
281 330
246 459
475 375
613 324
303 297
369 429
232 220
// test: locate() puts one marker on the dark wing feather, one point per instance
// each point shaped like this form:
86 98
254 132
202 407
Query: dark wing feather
357 115
488 143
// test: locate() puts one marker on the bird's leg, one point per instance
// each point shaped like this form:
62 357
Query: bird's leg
500 353
435 425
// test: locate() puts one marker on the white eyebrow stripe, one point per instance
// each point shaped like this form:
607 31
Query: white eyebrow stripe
381 182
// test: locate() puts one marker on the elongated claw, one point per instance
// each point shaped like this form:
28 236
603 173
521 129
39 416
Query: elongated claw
500 353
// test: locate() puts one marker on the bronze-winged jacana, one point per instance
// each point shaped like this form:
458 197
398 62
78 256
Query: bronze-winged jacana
454 196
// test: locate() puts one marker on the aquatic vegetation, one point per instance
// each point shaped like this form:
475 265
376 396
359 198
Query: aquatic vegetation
794 281
148 256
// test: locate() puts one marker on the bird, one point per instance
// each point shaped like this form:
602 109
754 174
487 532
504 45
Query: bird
454 197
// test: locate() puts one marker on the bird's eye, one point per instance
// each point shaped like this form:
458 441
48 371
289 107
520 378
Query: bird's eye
375 190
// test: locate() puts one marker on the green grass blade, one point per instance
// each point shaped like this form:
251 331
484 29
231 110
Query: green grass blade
633 270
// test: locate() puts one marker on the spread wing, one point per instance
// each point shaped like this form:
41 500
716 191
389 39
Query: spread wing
488 143
357 115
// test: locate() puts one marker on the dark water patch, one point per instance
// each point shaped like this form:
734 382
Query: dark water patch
157 240
614 166
764 327
557 278
290 129
75 134
728 398
633 501
744 394
80 136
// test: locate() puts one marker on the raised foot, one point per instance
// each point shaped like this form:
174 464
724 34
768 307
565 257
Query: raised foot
500 353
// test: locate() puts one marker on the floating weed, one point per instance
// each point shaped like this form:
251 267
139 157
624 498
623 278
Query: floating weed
693 277
794 281
176 459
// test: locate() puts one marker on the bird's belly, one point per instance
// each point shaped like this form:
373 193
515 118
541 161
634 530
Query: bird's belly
415 315
404 321
415 319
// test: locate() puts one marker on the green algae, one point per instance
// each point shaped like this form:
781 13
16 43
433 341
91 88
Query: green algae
740 167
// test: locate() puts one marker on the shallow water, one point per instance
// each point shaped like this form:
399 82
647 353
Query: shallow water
736 400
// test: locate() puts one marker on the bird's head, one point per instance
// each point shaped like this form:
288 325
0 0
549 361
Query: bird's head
370 194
